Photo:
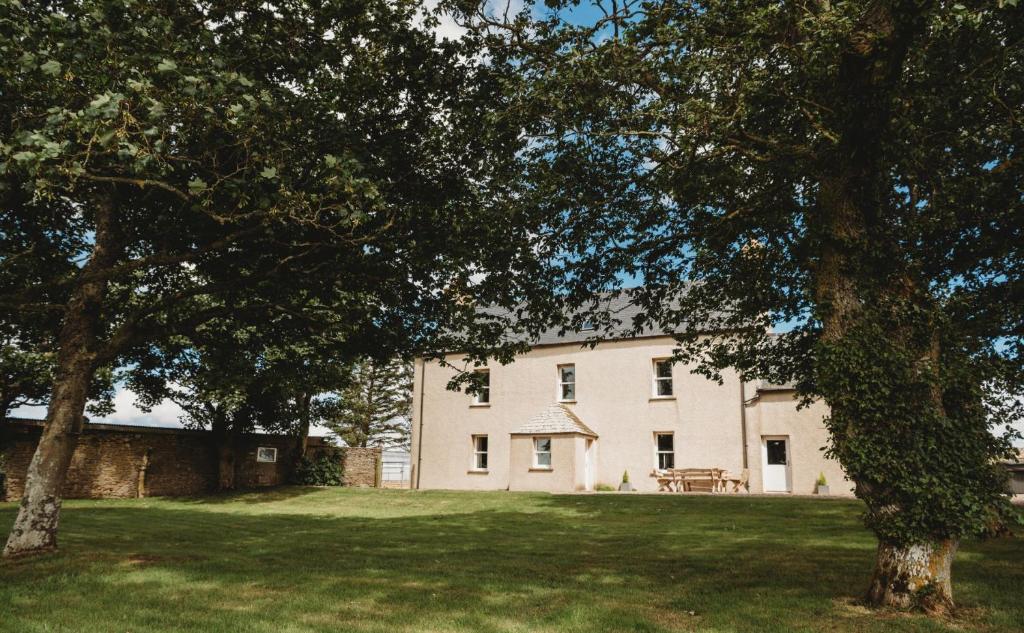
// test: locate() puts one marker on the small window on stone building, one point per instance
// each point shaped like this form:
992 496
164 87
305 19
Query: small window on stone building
266 454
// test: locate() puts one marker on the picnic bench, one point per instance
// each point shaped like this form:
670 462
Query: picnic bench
700 479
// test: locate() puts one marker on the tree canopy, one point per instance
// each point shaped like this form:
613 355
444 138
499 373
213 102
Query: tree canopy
166 164
850 169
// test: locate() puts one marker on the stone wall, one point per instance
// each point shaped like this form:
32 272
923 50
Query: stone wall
108 458
361 467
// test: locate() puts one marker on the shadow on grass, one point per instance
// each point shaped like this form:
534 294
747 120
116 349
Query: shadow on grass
564 563
253 495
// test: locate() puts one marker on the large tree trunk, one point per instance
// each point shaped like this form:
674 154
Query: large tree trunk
302 439
226 463
861 271
35 528
914 576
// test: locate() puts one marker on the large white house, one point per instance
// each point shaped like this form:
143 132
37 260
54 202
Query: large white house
565 417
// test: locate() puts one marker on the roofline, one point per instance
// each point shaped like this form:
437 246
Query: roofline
574 343
584 433
30 423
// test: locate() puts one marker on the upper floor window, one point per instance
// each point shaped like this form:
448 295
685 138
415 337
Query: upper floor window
480 452
666 450
483 393
567 383
662 377
542 452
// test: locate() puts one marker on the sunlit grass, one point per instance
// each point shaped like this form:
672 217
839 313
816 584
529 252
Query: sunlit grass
301 560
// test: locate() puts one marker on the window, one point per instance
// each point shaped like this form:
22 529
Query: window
662 378
542 452
567 383
266 454
776 452
483 395
665 448
586 326
479 452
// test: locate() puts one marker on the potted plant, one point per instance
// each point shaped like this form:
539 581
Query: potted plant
625 486
821 488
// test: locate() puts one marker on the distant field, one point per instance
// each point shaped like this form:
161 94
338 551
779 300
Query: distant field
302 560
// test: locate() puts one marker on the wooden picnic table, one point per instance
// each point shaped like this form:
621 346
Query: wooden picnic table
687 479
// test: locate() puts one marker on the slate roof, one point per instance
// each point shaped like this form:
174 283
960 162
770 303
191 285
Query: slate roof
554 420
619 307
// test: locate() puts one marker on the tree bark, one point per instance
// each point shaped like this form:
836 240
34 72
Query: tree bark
226 463
914 576
305 401
859 265
35 528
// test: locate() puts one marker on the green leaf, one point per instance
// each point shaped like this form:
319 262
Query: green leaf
269 172
100 101
196 185
51 67
166 66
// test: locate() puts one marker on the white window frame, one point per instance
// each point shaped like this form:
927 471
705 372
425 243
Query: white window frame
560 387
485 391
656 380
536 453
259 455
658 452
477 453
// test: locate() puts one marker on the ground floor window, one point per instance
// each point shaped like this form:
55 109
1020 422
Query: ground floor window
266 454
480 452
666 450
542 452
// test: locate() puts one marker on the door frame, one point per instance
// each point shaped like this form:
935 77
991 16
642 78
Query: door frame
789 463
588 463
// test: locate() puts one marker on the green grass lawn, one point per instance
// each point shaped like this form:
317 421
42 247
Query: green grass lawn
301 559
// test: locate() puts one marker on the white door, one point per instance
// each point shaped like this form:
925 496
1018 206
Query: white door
588 466
775 457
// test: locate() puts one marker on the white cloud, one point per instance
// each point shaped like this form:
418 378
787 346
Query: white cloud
125 412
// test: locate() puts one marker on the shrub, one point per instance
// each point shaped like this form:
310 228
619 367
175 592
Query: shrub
625 476
604 488
324 470
821 480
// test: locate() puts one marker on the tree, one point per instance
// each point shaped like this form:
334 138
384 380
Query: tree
25 376
853 169
232 378
375 407
164 164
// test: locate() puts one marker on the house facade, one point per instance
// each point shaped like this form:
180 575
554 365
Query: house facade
564 418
